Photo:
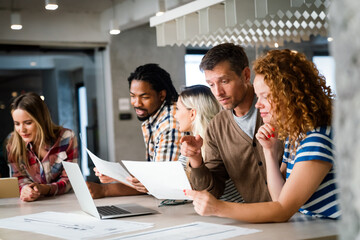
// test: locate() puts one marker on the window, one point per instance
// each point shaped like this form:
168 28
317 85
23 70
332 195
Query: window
193 74
326 67
83 120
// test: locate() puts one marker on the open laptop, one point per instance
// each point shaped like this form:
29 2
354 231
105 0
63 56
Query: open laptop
9 187
87 203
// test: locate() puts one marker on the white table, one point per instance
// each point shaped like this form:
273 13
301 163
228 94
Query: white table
299 227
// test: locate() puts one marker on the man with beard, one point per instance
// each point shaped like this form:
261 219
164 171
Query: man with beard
153 97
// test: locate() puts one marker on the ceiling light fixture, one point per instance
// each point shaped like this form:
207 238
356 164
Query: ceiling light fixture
51 5
15 21
162 8
114 29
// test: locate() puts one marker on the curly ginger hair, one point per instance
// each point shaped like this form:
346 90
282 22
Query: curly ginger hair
299 97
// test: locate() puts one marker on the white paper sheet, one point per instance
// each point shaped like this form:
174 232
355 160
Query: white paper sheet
163 180
70 225
195 230
111 169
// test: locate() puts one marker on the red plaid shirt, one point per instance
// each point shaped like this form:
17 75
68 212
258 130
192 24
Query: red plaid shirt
50 170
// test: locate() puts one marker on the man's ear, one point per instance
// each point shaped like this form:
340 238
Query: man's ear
162 95
247 73
192 114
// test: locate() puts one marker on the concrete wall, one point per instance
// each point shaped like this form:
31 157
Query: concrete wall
346 50
128 50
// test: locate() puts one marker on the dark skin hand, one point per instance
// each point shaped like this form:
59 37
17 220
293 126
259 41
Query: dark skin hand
110 190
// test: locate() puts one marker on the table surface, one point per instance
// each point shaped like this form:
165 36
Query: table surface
299 226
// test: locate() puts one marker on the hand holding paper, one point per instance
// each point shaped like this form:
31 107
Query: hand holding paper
163 180
103 178
111 169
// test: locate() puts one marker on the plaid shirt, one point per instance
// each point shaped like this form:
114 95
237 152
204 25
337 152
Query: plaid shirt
162 135
50 170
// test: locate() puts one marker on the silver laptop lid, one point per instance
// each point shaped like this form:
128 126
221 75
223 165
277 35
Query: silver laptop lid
81 190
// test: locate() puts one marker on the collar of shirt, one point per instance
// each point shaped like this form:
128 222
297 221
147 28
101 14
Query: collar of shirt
30 146
154 117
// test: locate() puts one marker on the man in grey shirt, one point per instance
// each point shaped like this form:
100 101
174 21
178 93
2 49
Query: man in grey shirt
231 149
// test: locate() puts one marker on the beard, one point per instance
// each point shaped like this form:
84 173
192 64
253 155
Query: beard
142 119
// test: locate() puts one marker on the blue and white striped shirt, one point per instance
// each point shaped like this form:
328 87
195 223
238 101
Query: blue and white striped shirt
317 146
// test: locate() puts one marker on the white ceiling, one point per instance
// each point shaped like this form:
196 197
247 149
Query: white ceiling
85 6
84 22
245 22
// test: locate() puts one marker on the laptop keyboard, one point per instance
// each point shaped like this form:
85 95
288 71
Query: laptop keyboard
111 210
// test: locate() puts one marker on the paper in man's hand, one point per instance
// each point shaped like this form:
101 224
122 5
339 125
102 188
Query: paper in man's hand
110 169
163 180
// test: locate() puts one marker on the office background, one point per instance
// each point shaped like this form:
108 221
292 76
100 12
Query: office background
56 53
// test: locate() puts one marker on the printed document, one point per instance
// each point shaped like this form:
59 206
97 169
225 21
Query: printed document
195 230
163 180
70 225
111 169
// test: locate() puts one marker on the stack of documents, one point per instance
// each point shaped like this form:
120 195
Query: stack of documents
70 225
195 230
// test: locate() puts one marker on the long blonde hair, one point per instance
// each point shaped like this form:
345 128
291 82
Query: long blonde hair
201 99
46 133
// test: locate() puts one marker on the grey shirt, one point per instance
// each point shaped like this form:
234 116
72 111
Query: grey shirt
247 123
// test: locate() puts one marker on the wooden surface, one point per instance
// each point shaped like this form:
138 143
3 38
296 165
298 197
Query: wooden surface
299 227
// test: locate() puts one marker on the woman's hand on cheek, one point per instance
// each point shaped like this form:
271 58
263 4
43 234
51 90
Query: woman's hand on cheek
267 136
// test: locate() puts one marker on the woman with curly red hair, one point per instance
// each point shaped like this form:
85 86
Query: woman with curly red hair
296 106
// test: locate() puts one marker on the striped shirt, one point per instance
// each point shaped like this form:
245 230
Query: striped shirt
161 135
317 146
48 170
